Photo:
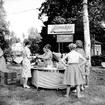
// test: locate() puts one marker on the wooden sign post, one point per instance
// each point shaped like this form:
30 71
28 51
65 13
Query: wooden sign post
64 33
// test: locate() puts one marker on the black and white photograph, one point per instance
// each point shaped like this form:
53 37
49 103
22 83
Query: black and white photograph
52 52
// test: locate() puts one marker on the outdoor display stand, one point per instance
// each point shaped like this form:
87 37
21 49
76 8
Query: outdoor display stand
49 78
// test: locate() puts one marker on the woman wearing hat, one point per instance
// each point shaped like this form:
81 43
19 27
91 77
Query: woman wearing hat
73 76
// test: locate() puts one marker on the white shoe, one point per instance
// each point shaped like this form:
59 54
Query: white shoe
66 95
75 91
26 86
86 86
82 88
80 96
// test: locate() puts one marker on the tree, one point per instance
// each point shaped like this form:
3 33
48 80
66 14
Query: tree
96 15
3 27
13 38
35 38
86 29
71 11
33 34
61 12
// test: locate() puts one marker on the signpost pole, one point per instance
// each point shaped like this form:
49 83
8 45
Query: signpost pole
64 33
62 47
59 47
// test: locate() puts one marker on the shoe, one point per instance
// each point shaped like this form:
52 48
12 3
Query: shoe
28 87
66 95
74 91
82 88
86 86
80 96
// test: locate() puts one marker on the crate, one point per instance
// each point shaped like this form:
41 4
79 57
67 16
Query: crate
2 77
11 81
8 78
10 75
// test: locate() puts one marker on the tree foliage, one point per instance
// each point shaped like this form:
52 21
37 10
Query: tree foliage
71 11
35 38
3 27
13 38
96 15
34 34
60 12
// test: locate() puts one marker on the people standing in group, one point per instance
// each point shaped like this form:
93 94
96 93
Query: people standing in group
47 56
26 71
3 66
73 75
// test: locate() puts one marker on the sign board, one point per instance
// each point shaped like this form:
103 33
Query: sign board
97 49
61 29
64 38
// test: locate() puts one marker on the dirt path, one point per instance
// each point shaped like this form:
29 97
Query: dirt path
94 95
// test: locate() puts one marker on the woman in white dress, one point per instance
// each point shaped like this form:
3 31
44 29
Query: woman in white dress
73 75
26 72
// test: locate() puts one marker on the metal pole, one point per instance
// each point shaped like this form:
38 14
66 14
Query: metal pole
59 47
62 47
94 44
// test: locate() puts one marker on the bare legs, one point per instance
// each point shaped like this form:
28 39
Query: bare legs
25 85
78 91
67 91
87 81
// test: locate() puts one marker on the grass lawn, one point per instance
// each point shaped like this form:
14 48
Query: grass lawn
94 95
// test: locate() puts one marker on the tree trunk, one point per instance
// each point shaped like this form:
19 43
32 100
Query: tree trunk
86 30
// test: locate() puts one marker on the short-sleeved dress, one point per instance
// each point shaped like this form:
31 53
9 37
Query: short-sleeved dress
26 72
73 75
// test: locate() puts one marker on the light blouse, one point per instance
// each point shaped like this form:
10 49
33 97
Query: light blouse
73 57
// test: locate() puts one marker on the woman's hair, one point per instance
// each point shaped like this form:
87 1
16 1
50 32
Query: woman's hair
72 46
48 46
79 44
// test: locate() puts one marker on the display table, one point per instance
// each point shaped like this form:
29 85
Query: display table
47 78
